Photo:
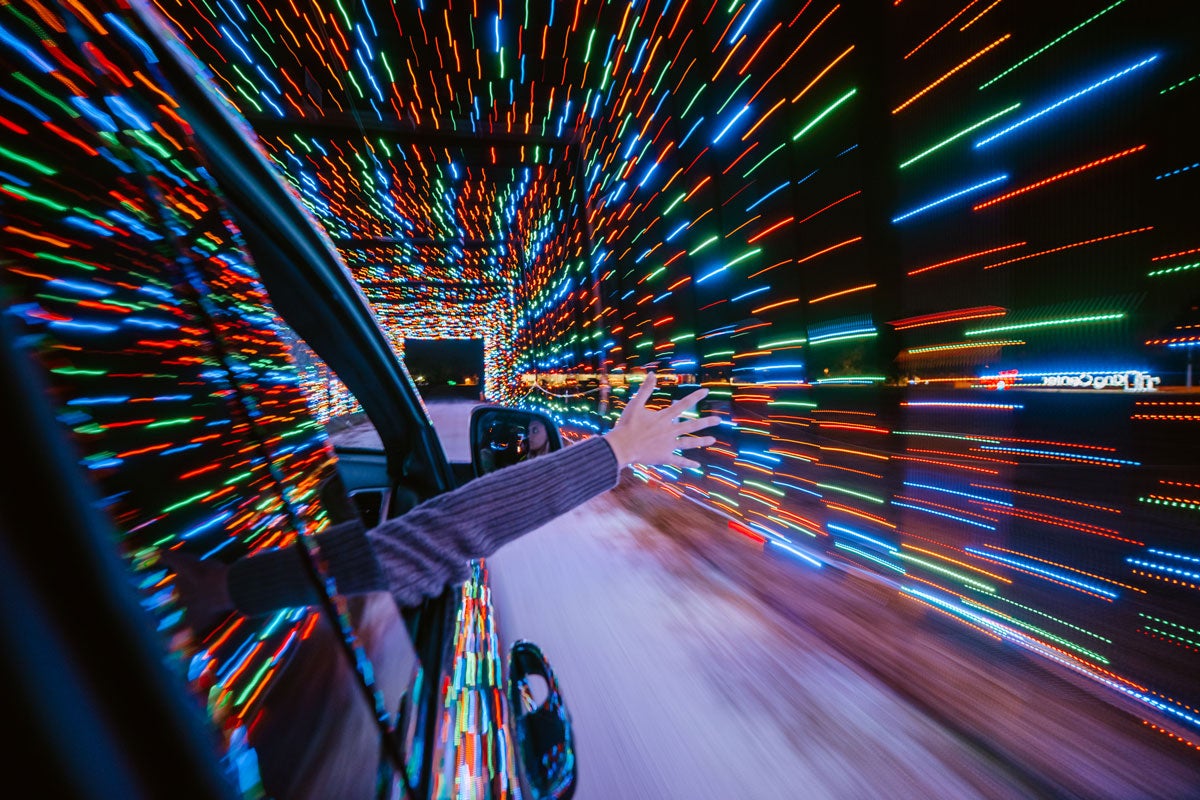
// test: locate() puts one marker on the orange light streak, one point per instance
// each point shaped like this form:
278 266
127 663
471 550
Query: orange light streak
829 249
933 85
824 297
821 74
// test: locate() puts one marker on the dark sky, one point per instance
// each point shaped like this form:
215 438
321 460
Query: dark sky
443 359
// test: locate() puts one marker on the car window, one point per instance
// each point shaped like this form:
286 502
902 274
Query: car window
189 402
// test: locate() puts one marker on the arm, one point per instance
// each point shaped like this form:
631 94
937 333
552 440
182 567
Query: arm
429 547
416 555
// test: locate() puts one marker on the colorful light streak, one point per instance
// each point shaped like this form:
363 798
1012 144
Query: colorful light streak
596 191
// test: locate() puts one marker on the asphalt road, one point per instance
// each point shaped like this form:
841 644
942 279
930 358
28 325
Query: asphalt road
694 666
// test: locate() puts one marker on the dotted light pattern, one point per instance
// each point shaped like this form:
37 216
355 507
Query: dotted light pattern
166 364
855 226
848 224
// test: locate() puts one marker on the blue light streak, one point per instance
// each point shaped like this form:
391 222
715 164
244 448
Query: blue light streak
949 197
833 526
1059 103
796 552
979 497
1043 571
736 117
955 517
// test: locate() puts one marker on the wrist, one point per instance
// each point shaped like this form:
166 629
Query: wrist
620 448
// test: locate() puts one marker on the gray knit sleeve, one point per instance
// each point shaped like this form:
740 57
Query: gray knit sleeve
417 555
280 578
429 547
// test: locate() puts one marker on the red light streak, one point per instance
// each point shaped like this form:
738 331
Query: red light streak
1046 497
947 464
1070 246
1175 255
821 74
965 258
760 309
829 249
1050 519
943 317
939 30
734 526
1059 176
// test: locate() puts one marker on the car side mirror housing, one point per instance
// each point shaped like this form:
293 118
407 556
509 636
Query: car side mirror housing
545 743
502 436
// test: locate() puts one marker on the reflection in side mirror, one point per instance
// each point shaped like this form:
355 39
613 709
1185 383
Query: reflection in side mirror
545 743
504 436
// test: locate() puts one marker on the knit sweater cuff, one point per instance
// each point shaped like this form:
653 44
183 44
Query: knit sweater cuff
277 579
429 547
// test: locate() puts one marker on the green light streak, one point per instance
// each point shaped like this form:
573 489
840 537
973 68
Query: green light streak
942 347
869 557
1183 82
696 96
765 488
28 195
1043 49
1040 631
844 338
958 135
1055 619
60 260
983 587
187 502
949 436
37 166
1172 270
828 110
77 371
1047 323
764 158
726 499
704 244
834 487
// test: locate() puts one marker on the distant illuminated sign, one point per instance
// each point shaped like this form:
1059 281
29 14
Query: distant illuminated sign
1129 381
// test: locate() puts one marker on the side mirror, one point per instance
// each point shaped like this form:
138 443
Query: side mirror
544 741
503 436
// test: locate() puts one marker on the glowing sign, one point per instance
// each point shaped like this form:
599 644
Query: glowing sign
1130 381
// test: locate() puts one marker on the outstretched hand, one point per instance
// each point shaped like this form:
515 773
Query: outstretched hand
646 436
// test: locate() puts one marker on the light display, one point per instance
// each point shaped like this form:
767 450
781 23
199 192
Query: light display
168 366
934 261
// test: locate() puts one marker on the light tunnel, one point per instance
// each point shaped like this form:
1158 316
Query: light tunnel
936 262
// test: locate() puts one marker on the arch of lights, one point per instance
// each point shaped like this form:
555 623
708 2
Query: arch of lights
897 242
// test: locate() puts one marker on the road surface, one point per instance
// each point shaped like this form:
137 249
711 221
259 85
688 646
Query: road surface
694 666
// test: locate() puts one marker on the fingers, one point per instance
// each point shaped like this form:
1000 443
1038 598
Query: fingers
683 463
690 442
699 424
686 403
643 394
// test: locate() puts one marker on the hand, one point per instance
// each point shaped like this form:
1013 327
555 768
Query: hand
644 436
